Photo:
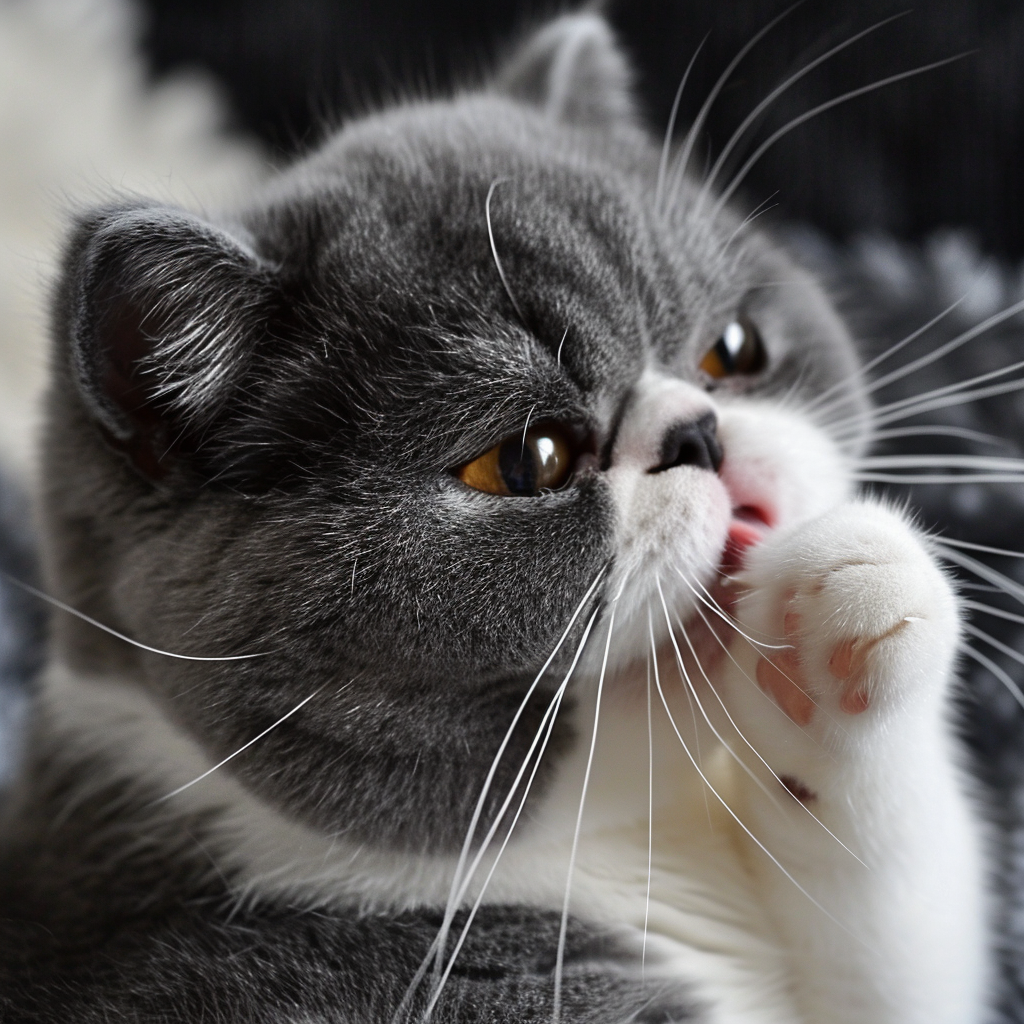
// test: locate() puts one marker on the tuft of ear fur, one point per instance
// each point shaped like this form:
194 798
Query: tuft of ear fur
573 69
160 310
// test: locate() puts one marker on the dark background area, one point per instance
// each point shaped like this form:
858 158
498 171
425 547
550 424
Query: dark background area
943 149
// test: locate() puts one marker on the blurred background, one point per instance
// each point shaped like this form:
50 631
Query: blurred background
941 150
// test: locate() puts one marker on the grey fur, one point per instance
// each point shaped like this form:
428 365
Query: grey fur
252 432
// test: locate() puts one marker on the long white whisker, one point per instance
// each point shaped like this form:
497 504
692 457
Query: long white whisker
546 727
558 354
42 596
945 402
563 926
938 430
691 689
946 389
994 463
971 546
702 115
993 642
999 673
772 97
245 746
650 801
453 898
954 343
816 404
938 478
987 609
732 814
709 602
814 112
739 732
670 130
1004 583
494 249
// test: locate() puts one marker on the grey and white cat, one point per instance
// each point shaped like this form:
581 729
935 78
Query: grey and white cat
505 639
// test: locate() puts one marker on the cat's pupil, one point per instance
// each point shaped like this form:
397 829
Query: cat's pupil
518 461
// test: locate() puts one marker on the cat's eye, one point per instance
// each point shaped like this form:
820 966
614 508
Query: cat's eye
740 349
524 464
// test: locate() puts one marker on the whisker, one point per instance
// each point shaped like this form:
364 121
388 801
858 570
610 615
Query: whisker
987 468
732 814
546 726
1008 586
453 897
683 161
690 688
42 596
954 343
757 211
816 403
739 732
971 546
712 176
949 401
993 642
709 602
245 746
938 478
987 609
563 926
670 129
558 354
946 389
990 462
494 248
754 643
999 673
650 808
820 109
526 430
938 430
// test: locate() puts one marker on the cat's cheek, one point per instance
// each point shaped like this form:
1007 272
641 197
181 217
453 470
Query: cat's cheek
778 462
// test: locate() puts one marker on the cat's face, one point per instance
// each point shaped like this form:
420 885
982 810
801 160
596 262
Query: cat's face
445 385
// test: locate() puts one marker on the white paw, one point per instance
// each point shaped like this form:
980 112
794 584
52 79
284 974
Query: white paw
869 619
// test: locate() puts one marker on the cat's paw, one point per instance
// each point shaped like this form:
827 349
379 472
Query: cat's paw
862 617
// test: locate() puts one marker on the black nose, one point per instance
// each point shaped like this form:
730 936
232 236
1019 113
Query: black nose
694 443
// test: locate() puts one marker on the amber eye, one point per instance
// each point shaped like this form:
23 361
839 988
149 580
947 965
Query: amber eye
739 350
523 465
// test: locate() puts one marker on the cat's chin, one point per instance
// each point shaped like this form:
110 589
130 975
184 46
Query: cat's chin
702 632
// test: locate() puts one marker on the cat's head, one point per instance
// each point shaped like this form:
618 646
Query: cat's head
403 423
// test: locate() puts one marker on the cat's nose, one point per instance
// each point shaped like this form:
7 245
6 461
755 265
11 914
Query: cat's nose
691 443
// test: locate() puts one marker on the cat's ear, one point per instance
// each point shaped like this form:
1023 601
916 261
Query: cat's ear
158 311
573 69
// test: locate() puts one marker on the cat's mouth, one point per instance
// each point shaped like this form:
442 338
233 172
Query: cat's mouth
747 527
710 629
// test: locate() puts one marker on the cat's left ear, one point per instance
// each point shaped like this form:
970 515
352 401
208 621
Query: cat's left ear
574 71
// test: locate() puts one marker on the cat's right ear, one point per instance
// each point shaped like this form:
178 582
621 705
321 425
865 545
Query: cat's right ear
575 72
158 311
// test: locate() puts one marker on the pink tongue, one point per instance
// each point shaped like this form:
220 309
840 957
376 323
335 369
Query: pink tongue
742 535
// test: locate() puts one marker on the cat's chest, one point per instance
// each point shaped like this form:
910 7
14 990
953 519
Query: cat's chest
676 874
682 880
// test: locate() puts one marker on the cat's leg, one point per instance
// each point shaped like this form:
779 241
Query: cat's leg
878 889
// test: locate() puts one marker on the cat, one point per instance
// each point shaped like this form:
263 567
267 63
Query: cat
469 611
